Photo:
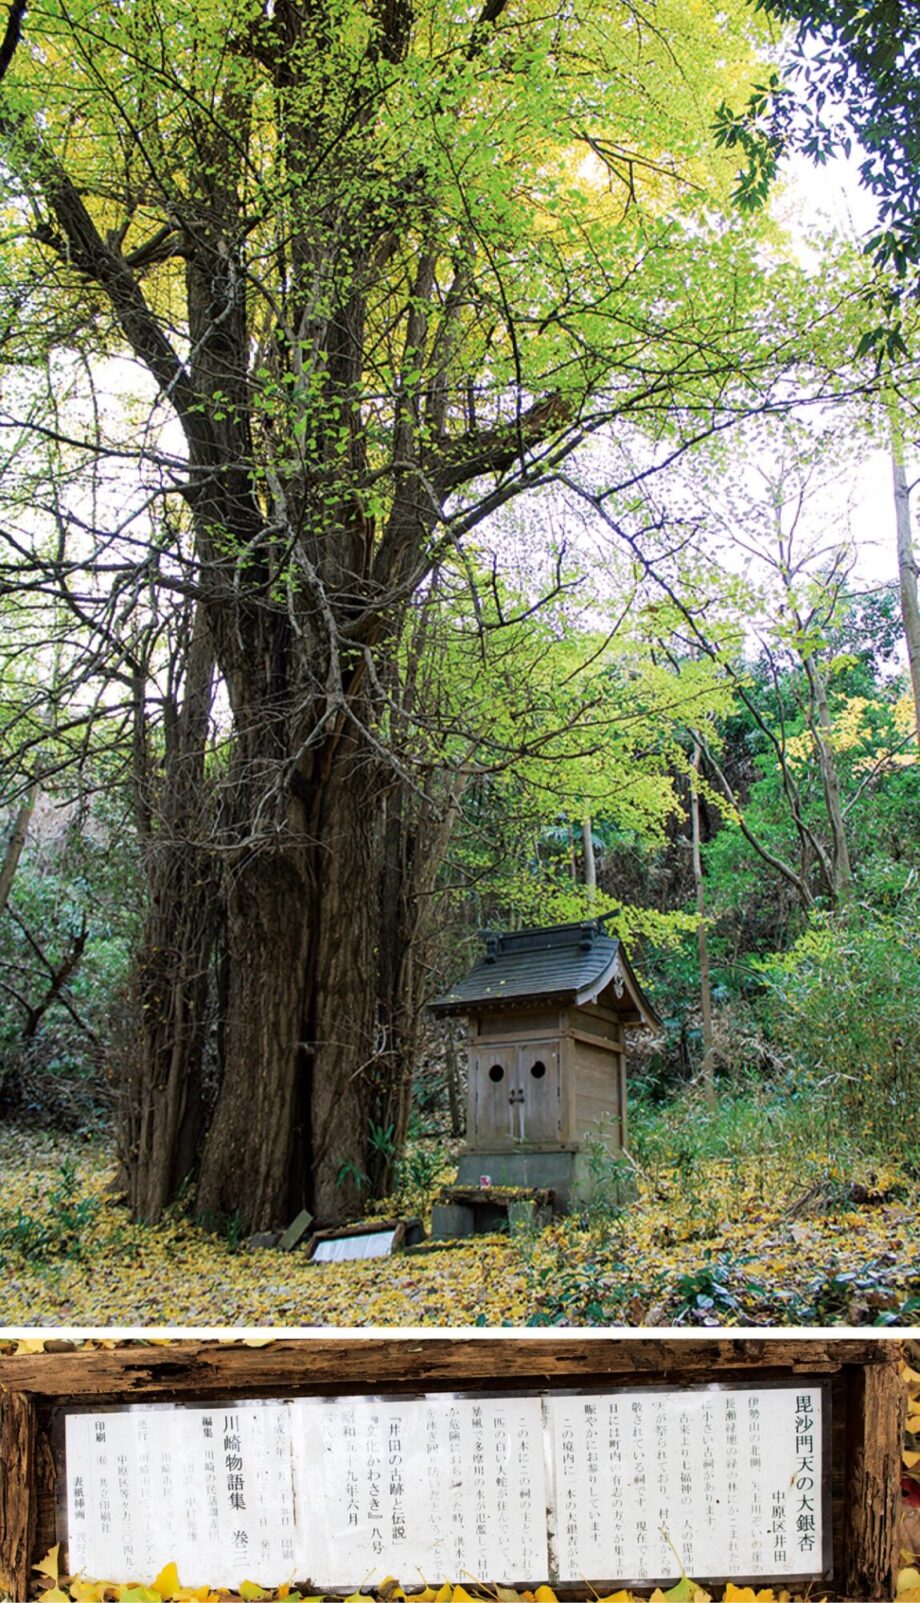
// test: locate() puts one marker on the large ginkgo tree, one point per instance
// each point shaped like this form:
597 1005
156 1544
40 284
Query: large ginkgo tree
384 265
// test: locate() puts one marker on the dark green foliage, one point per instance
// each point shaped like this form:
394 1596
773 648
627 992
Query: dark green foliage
853 81
64 944
846 1000
715 1291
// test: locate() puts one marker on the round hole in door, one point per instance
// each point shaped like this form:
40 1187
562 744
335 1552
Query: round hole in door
496 1073
538 1070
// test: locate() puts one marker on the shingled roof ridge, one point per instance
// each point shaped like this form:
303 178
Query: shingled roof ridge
552 936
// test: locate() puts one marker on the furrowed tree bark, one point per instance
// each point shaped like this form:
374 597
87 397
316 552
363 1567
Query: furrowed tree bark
294 1102
417 830
874 1474
907 563
163 1102
17 1491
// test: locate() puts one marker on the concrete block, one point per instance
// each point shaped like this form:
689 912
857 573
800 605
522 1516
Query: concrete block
263 1239
451 1219
553 1171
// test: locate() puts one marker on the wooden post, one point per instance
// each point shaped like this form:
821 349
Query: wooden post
873 1498
18 1493
452 1072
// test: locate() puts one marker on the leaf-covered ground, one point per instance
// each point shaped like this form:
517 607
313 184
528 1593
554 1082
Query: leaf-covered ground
729 1244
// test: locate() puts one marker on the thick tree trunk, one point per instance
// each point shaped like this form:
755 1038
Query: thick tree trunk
255 1155
292 1121
164 1102
416 837
342 1041
907 567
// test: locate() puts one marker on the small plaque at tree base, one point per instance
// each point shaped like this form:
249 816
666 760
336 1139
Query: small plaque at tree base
296 1231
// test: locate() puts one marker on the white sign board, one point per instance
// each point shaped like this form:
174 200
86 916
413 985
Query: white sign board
440 1486
348 1490
731 1480
211 1488
344 1249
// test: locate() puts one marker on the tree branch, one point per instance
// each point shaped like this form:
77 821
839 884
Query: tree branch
456 462
81 244
12 35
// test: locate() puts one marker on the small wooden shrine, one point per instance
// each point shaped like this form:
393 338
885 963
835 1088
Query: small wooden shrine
547 1010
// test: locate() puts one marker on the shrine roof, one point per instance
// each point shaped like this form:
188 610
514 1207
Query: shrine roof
570 963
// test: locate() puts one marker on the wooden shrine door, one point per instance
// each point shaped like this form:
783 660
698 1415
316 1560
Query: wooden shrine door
518 1095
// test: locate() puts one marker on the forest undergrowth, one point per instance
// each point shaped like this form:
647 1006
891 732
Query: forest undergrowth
742 1215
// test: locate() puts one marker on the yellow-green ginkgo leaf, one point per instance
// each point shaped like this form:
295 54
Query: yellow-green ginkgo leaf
684 1591
49 1564
85 1591
167 1582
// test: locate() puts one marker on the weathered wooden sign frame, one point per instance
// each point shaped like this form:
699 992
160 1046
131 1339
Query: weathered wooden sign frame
866 1394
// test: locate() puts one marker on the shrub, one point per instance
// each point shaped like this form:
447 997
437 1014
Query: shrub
845 1001
61 1230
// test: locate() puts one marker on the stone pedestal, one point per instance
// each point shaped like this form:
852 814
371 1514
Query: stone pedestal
558 1179
564 1171
465 1210
451 1220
